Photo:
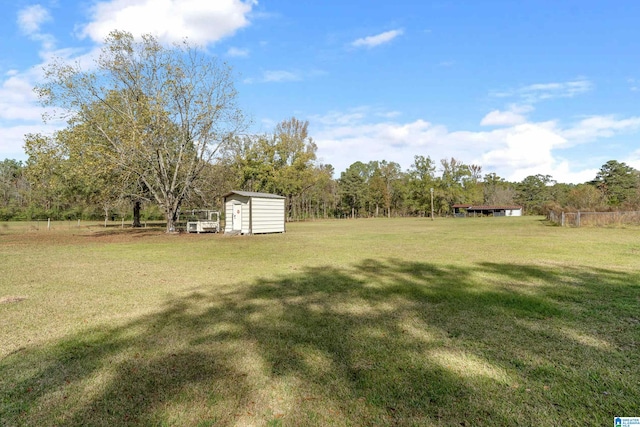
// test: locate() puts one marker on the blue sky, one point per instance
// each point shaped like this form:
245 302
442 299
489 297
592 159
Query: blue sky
517 87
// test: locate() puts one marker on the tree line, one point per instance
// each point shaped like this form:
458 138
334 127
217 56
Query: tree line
286 164
153 131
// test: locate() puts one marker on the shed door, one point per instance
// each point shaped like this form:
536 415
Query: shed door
236 224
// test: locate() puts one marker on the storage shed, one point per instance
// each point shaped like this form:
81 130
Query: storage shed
248 212
462 210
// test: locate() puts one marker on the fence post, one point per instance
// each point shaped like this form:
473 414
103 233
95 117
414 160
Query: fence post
578 220
562 223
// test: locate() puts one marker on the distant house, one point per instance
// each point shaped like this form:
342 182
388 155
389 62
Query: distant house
462 210
247 212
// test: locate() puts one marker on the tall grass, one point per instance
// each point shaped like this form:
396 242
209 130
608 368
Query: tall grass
488 321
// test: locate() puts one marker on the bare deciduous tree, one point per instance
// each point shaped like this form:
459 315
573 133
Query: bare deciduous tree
157 114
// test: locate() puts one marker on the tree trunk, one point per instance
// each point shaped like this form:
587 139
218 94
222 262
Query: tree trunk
171 222
136 214
171 216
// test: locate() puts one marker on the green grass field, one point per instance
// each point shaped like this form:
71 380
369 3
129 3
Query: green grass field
453 322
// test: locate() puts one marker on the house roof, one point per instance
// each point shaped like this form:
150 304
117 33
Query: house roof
486 207
254 194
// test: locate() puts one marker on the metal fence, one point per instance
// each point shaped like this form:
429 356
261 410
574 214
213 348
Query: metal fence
594 219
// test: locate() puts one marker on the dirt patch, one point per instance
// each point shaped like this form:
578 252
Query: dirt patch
92 235
117 235
8 300
123 235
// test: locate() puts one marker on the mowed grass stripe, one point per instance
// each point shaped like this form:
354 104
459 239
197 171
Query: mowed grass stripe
486 321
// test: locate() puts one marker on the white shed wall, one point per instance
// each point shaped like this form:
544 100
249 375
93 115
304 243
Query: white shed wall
514 212
259 215
232 202
267 215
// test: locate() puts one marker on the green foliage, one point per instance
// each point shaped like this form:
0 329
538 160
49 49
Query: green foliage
66 179
420 179
14 189
61 179
534 192
353 187
282 163
293 155
585 197
372 189
619 183
389 187
497 191
131 144
9 213
149 118
449 190
457 184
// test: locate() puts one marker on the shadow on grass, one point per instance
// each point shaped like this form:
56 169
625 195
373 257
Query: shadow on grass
385 342
100 231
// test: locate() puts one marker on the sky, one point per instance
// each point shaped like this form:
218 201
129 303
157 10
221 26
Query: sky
517 87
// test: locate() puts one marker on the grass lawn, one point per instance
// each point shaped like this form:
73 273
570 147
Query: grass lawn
453 322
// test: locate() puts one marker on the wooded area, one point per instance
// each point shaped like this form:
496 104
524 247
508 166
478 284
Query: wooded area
153 130
280 164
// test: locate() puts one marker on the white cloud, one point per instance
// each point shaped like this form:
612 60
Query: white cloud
345 138
280 76
542 91
502 118
199 21
31 18
237 52
514 151
17 99
20 111
12 141
170 20
561 171
275 76
389 114
595 127
372 41
515 115
353 116
499 151
524 148
634 160
554 90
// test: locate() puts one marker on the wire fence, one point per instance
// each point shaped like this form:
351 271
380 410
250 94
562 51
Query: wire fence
46 224
594 219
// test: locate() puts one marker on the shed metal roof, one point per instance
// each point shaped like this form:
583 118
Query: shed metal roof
486 207
254 194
